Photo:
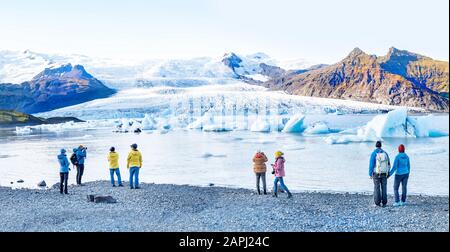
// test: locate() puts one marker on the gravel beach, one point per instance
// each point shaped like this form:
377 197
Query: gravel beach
170 208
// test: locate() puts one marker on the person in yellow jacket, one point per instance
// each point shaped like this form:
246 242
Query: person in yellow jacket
134 164
113 159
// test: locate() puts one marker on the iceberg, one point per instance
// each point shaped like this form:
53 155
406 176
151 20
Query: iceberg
260 125
395 124
149 122
317 129
295 124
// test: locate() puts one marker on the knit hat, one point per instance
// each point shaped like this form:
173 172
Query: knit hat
401 148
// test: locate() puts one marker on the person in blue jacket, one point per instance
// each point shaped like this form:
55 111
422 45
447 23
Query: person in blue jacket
401 169
379 173
81 156
63 171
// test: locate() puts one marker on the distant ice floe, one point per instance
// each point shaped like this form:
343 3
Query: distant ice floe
207 155
395 124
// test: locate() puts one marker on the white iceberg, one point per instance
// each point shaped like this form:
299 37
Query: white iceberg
149 122
395 124
317 129
295 124
260 125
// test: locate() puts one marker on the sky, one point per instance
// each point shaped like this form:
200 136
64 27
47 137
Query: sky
323 31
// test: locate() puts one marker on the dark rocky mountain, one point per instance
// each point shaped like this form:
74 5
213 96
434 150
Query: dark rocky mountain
51 89
399 78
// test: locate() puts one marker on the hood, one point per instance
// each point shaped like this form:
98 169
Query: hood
402 156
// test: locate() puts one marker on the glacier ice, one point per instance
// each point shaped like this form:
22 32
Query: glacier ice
260 125
395 124
295 124
317 129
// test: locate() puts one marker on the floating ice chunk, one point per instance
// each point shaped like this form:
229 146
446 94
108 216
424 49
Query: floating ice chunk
393 124
206 119
260 125
149 122
318 128
210 155
345 139
425 126
295 124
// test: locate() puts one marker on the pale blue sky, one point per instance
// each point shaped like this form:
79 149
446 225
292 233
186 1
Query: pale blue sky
320 30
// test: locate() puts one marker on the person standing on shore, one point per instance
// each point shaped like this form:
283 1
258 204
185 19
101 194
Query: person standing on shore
63 171
260 169
279 172
81 156
134 164
113 159
379 167
401 169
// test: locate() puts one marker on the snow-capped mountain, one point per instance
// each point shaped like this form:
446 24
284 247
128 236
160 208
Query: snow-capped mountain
19 67
53 88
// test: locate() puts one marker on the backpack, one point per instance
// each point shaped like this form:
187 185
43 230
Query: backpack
74 159
382 163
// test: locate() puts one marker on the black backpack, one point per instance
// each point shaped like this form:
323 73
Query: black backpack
74 159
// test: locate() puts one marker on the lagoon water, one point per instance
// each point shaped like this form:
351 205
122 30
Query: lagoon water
224 159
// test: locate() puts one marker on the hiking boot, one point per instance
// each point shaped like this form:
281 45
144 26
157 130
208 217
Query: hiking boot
397 204
113 185
265 193
259 192
131 188
275 195
120 185
289 195
137 188
403 203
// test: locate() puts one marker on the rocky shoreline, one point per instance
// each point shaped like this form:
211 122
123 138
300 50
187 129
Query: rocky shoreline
172 208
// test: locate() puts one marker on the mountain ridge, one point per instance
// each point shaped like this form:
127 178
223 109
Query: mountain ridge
395 79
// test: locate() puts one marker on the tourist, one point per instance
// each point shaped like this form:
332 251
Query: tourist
379 172
260 169
113 158
63 171
279 173
134 164
401 169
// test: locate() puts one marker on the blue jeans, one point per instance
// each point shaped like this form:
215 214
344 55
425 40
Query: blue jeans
403 180
282 185
134 173
117 172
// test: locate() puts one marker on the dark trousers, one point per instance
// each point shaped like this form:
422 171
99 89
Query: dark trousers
380 189
401 180
63 184
80 171
259 177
